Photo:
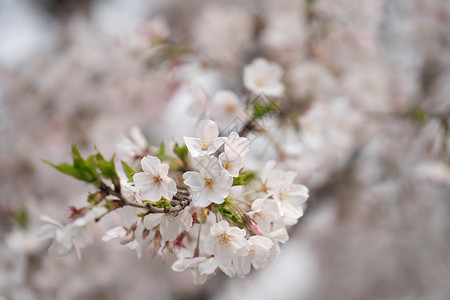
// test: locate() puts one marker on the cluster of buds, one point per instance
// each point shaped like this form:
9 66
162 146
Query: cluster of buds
194 204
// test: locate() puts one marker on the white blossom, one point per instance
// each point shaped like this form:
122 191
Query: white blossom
154 182
170 225
235 151
290 197
225 242
207 140
200 267
258 255
211 184
266 213
225 108
76 234
132 149
264 77
126 238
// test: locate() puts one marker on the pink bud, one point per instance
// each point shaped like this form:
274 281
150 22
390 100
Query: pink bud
153 248
252 225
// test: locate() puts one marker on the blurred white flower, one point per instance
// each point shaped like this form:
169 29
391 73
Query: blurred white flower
264 77
76 234
225 108
156 30
131 150
154 182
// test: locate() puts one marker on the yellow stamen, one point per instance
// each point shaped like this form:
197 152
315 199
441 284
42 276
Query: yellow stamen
227 166
251 251
230 108
225 240
157 179
205 143
285 195
209 182
260 81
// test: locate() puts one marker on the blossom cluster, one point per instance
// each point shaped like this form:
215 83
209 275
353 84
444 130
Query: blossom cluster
195 204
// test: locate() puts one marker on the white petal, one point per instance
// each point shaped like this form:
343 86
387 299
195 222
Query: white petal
50 220
152 220
135 245
194 146
172 189
200 199
215 144
113 233
207 129
138 137
46 231
208 266
185 219
150 164
169 228
194 180
142 181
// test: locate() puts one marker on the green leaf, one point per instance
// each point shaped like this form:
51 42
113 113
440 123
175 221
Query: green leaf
261 109
182 153
77 159
162 152
81 169
22 218
129 172
244 179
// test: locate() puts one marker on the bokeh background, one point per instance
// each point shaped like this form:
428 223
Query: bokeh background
365 122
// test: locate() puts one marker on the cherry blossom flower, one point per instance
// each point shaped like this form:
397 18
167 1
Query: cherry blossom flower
234 155
200 267
76 234
266 213
290 197
135 148
225 242
258 255
156 30
263 77
130 192
170 225
211 184
62 240
207 140
126 238
154 182
225 108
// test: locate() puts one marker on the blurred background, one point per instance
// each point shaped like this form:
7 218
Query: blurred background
365 122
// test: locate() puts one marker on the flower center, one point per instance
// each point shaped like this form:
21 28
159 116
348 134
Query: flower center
251 251
225 240
227 165
230 108
285 195
157 179
205 143
209 183
260 81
